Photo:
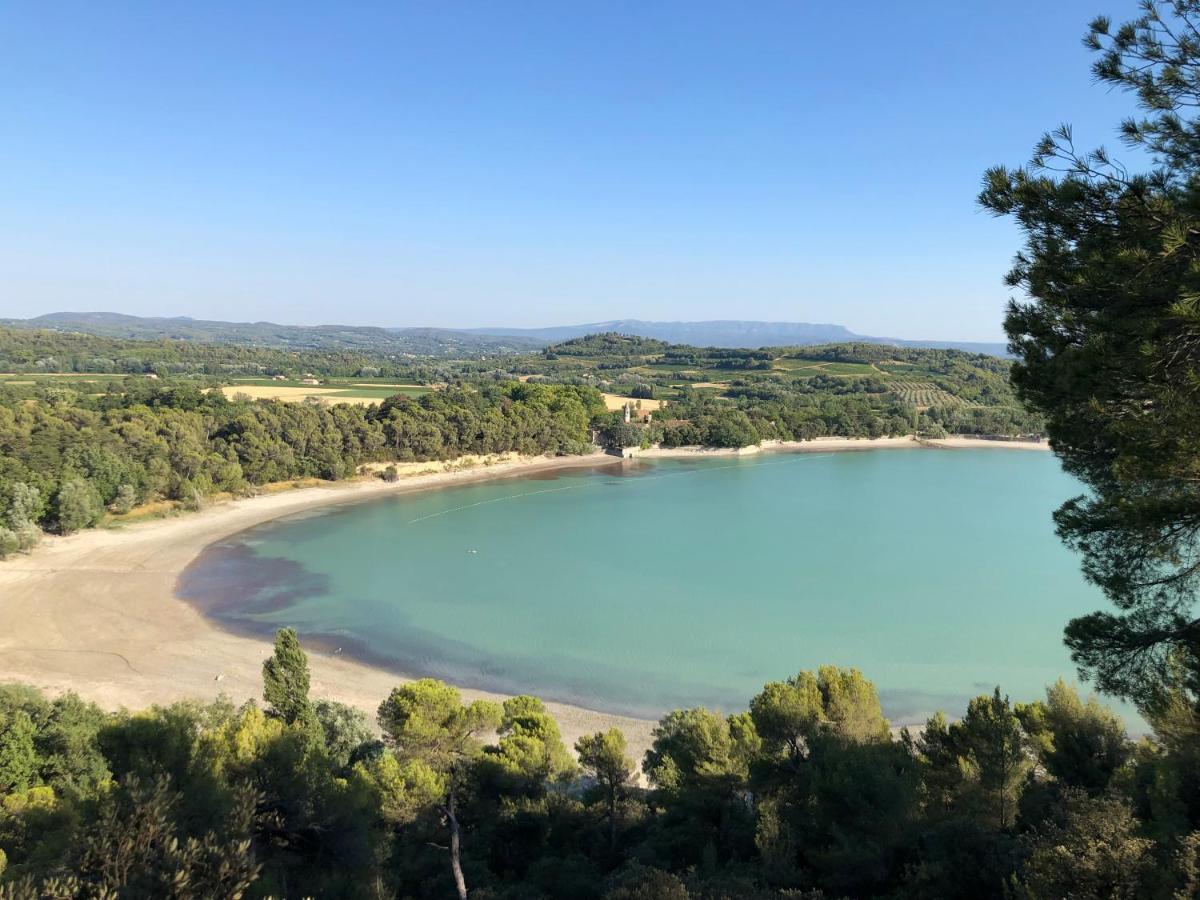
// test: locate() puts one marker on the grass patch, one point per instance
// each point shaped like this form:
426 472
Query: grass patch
329 393
155 509
801 366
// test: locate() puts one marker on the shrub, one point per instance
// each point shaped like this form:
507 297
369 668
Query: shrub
124 501
642 392
77 505
9 543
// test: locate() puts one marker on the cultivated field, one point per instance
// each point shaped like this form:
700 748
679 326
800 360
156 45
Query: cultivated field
923 394
350 392
800 366
615 402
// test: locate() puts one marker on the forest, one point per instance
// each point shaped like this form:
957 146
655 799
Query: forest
67 458
808 793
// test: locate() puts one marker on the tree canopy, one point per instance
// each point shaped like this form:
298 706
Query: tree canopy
1108 344
808 794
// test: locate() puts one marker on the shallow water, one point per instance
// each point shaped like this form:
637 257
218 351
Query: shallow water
649 586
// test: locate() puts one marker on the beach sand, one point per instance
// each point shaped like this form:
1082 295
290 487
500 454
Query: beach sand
96 612
970 443
839 444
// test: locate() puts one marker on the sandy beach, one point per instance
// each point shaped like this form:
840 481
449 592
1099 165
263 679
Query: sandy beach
96 612
970 443
839 444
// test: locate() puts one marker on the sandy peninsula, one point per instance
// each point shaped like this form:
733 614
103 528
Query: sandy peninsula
96 612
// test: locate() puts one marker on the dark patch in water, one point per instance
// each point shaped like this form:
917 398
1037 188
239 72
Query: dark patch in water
230 581
240 589
607 467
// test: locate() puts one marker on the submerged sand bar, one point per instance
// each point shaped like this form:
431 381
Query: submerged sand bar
96 612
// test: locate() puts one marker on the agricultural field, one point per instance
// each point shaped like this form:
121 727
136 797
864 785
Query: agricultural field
616 401
924 394
905 370
352 390
74 378
800 366
330 391
707 376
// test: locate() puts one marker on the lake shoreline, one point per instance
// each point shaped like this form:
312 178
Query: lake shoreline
97 612
840 445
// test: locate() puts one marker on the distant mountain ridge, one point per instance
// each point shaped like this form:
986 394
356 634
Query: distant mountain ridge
448 342
442 342
736 333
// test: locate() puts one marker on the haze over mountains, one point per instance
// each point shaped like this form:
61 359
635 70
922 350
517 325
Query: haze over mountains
472 341
735 333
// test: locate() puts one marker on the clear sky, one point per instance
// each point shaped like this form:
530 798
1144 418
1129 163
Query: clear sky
527 163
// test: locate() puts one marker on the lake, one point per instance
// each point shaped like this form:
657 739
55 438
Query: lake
641 587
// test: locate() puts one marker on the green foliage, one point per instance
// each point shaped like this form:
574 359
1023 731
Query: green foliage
1095 853
403 789
852 814
426 720
991 748
128 344
651 884
124 500
22 505
603 756
65 732
744 396
788 715
345 730
1109 345
140 440
642 392
699 766
137 848
286 679
77 505
18 757
530 749
1080 744
837 796
808 795
608 344
696 748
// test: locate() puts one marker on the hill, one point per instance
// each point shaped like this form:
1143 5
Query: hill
468 342
735 333
438 342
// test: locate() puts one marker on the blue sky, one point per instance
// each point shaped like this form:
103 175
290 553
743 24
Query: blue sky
525 163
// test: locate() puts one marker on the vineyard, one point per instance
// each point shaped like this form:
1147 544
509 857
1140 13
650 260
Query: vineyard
924 394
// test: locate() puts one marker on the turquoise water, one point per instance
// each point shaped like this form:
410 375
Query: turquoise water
643 587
